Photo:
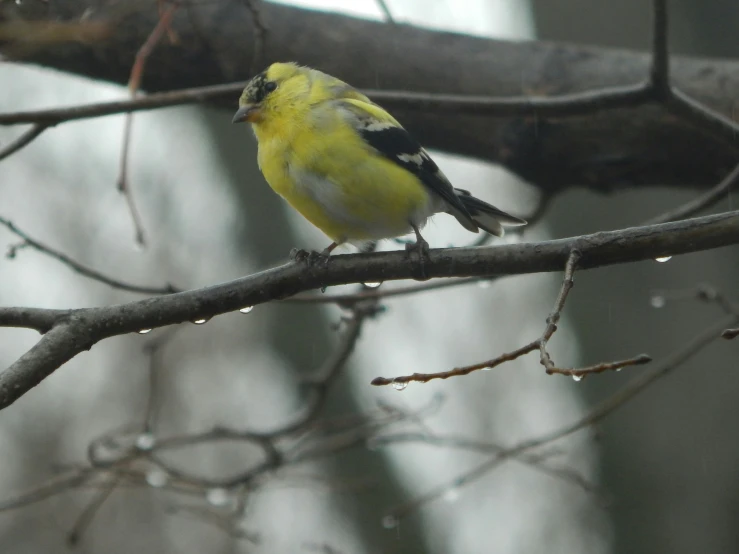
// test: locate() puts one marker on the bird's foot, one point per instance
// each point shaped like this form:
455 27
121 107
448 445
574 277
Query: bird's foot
312 258
420 247
299 255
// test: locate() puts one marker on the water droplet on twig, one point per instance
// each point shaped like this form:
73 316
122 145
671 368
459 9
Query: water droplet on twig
218 496
372 284
144 331
390 522
156 478
399 385
658 301
145 441
577 378
451 495
246 309
663 259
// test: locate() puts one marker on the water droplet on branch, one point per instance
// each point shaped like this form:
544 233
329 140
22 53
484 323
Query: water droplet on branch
390 522
145 441
218 496
157 478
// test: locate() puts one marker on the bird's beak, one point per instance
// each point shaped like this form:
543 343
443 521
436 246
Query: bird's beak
247 112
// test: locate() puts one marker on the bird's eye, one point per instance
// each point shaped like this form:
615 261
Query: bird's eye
270 86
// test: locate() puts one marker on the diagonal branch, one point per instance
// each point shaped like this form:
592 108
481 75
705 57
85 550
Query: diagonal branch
701 202
77 330
80 268
23 140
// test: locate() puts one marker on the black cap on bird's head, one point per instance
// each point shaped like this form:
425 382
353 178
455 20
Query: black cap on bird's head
251 102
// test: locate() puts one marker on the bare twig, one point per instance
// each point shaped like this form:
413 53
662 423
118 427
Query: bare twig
705 200
634 387
56 485
385 9
398 382
260 33
82 269
559 304
88 514
540 344
367 294
23 140
659 74
134 83
551 327
535 461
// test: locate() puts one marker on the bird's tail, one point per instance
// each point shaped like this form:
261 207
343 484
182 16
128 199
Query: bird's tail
487 216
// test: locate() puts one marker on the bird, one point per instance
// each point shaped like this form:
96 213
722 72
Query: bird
347 165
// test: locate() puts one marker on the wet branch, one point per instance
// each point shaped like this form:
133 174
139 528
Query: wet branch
74 331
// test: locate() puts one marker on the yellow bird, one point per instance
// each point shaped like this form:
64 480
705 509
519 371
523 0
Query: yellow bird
346 164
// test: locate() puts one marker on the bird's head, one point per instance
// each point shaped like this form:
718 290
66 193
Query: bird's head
271 91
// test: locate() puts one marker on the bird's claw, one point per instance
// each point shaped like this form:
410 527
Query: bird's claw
299 255
422 248
311 259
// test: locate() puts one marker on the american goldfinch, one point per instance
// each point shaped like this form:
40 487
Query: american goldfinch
346 164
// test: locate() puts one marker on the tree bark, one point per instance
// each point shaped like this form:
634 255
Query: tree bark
604 151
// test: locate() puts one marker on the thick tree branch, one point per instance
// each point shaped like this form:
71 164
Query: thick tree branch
78 330
619 148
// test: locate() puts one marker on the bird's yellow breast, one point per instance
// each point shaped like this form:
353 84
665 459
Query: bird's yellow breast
335 180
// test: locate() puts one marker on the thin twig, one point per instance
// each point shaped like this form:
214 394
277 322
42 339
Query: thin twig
134 83
458 371
659 74
260 34
553 318
545 358
320 383
385 9
612 403
56 485
534 461
730 334
23 140
367 294
88 514
540 344
82 269
701 202
124 187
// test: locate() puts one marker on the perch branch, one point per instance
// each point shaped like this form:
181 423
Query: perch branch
77 330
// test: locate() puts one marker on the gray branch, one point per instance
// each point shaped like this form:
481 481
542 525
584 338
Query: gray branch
70 332
604 150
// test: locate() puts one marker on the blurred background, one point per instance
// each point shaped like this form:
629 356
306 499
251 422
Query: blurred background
665 464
